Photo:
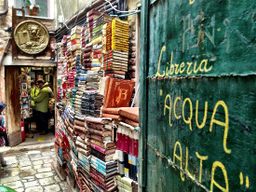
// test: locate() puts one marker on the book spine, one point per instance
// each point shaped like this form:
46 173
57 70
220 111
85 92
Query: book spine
95 159
103 172
124 186
98 155
96 163
98 148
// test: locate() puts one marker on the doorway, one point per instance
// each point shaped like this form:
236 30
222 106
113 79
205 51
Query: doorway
20 111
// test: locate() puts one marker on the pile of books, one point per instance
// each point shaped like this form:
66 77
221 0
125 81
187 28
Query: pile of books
132 52
126 184
91 18
92 102
98 25
68 118
61 144
75 38
87 61
97 136
116 64
116 47
83 151
128 147
120 35
103 168
79 93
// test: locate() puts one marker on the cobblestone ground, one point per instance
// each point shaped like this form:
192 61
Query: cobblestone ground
31 171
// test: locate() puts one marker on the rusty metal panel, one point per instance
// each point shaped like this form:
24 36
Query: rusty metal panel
198 118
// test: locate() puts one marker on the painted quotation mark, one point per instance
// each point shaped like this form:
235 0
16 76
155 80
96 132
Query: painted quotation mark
161 92
191 2
247 181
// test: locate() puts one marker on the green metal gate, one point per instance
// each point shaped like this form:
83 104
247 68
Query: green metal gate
198 97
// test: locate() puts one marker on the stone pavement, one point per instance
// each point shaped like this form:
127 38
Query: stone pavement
31 171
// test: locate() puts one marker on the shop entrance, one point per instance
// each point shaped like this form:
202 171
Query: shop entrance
22 89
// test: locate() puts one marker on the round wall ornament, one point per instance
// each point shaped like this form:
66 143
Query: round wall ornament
31 37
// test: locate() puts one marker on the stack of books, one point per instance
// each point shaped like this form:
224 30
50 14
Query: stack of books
132 52
104 38
128 144
116 64
73 163
98 24
130 115
126 185
68 118
61 144
103 168
83 37
83 149
83 171
76 38
108 37
92 80
79 126
71 157
91 18
120 35
96 55
79 94
87 61
112 113
116 46
92 102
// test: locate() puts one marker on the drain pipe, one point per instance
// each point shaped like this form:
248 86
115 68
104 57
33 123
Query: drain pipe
144 38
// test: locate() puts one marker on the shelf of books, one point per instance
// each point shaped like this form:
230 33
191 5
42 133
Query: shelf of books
97 130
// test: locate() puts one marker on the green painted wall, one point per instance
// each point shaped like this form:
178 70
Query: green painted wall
200 113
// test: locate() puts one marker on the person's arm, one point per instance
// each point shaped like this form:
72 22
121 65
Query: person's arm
32 92
51 95
40 96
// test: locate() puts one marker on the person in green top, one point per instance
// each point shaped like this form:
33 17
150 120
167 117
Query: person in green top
41 105
34 91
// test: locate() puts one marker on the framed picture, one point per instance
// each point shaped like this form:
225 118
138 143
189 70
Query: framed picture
24 86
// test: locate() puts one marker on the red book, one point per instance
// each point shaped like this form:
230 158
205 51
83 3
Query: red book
126 142
135 147
119 93
119 141
130 122
114 111
112 116
98 148
131 113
